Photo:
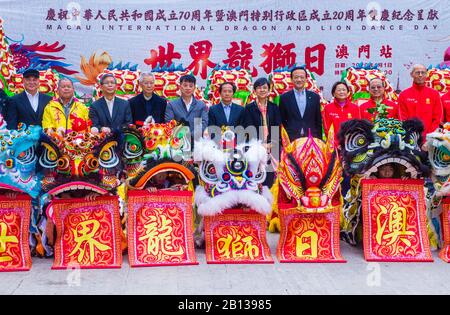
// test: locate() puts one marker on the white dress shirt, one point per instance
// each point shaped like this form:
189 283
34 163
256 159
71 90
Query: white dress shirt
188 106
34 100
110 105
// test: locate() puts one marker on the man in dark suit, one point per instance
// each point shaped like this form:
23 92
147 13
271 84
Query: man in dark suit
27 107
110 111
147 103
3 101
300 109
226 113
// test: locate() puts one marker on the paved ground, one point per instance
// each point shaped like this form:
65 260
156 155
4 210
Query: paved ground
354 277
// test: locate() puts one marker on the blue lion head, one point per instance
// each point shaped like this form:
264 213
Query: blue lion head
18 159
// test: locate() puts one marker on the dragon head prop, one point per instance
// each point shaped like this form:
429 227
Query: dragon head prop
438 143
439 79
79 161
167 82
127 80
18 159
309 173
280 80
155 148
7 69
358 79
241 79
231 176
48 82
366 147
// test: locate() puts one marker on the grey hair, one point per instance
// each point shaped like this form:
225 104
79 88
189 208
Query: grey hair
417 65
107 75
376 78
144 75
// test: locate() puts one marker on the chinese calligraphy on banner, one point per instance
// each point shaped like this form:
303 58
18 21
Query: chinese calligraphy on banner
326 36
309 237
444 254
394 220
14 231
236 237
88 233
160 228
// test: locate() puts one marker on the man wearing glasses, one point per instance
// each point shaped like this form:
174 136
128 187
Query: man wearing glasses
377 96
110 111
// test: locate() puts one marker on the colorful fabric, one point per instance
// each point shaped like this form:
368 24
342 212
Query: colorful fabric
88 233
439 79
160 228
236 236
7 69
395 227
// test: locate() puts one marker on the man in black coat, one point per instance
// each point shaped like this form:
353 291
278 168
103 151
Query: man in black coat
300 109
110 111
27 107
147 103
226 113
3 101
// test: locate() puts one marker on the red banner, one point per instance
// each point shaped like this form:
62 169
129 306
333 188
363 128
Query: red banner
14 233
160 228
444 254
394 220
236 237
309 237
88 233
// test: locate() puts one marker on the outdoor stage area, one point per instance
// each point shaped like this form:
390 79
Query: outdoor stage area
354 277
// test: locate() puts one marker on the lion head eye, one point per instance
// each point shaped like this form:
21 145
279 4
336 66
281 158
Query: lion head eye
108 157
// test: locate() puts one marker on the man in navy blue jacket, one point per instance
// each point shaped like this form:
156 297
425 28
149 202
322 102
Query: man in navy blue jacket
300 109
226 113
110 111
27 107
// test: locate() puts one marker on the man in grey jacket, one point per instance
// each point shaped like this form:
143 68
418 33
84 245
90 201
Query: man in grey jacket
187 109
